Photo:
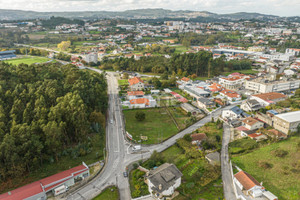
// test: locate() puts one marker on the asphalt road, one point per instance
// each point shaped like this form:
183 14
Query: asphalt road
225 166
117 155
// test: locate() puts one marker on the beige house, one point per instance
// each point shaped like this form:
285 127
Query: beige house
252 124
136 83
287 122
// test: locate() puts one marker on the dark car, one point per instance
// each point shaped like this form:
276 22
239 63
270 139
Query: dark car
125 174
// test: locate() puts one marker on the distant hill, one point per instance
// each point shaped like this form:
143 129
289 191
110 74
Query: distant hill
129 14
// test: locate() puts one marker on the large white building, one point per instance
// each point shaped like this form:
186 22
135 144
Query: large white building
261 85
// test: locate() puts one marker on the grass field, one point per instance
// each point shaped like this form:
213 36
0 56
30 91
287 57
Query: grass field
64 163
180 49
110 193
123 82
28 60
158 125
282 176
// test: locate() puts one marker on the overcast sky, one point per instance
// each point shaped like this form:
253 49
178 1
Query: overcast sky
276 7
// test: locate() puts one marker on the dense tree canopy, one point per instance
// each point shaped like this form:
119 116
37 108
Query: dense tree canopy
200 64
44 111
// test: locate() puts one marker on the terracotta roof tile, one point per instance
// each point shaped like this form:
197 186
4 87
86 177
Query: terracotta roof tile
246 180
270 96
135 80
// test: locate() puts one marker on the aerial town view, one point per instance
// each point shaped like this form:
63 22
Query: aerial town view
149 100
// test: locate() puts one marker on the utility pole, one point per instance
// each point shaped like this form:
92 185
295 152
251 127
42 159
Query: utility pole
104 153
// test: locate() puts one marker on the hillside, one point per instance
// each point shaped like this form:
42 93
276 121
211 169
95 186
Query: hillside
129 14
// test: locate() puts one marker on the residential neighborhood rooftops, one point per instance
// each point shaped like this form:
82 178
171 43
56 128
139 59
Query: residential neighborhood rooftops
140 101
270 96
290 116
246 180
135 80
135 93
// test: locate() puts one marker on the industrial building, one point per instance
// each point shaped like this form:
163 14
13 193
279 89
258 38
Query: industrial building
38 190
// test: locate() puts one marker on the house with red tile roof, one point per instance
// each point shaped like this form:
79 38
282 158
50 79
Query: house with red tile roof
136 83
249 186
39 189
231 95
197 138
266 99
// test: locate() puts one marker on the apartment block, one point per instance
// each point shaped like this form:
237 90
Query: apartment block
261 85
287 122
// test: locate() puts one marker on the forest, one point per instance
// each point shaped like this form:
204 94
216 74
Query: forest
201 64
47 111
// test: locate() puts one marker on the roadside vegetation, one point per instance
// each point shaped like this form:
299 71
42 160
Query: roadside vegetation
52 117
110 193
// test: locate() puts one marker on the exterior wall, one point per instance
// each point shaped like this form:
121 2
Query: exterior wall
265 118
238 183
285 126
138 86
229 114
171 189
254 126
272 87
40 196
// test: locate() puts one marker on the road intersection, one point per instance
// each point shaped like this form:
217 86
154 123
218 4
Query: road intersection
118 156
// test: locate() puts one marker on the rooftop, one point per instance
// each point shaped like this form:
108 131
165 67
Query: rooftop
246 180
135 80
270 96
164 176
250 121
290 116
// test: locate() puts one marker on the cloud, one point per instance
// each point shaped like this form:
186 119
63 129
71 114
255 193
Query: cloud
276 7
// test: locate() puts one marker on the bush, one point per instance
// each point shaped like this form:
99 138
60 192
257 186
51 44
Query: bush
280 153
140 116
265 165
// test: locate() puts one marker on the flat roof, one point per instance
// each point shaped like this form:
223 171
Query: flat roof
290 116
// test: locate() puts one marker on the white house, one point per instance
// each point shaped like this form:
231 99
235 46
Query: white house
163 180
233 113
251 187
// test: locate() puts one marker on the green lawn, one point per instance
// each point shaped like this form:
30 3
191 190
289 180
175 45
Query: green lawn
158 125
64 163
123 82
180 49
110 193
282 174
28 60
245 71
